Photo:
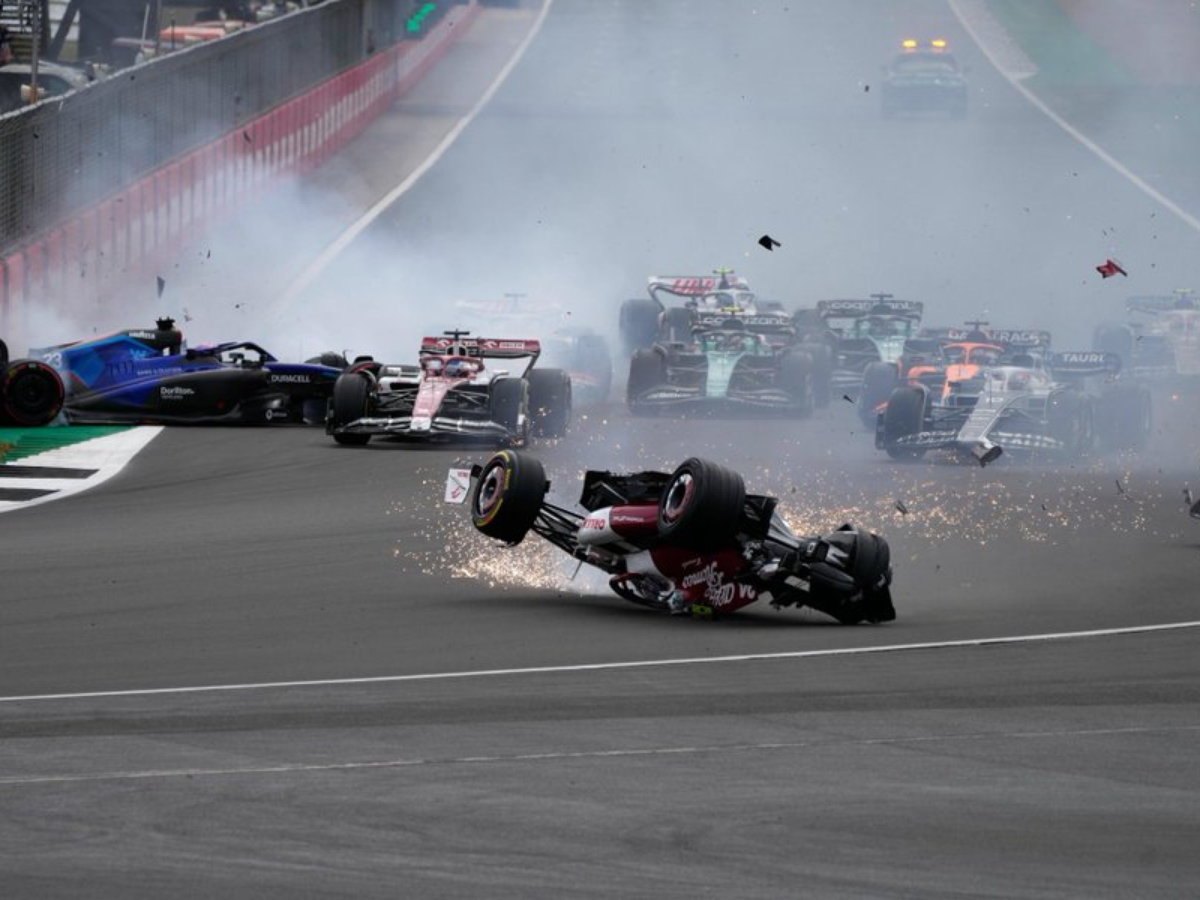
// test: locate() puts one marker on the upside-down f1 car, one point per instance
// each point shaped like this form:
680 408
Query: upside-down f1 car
692 541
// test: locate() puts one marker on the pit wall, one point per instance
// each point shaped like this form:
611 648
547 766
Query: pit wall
79 265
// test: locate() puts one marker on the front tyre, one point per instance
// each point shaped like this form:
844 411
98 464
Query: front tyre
350 402
508 496
31 394
879 380
904 416
701 507
796 377
550 401
647 370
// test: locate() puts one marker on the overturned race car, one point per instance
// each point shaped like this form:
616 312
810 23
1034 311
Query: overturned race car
692 541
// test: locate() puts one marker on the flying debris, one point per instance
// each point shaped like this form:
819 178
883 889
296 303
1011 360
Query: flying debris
768 243
162 283
901 508
1111 267
847 398
1121 489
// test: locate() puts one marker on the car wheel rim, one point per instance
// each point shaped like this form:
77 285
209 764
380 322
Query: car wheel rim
679 495
491 489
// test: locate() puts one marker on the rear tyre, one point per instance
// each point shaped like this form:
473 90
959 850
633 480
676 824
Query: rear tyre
509 404
550 401
701 507
639 323
647 370
904 416
677 325
796 377
508 496
879 380
350 402
329 358
31 394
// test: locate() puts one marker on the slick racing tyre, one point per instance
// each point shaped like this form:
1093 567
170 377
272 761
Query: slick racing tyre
1070 421
31 394
351 398
879 380
509 403
1124 417
1113 338
822 362
330 358
904 415
647 370
796 378
508 496
3 357
550 401
852 583
639 323
701 507
677 325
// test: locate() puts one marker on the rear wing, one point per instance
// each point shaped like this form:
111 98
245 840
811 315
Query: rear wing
1084 363
695 285
765 324
1009 338
491 348
1153 304
857 309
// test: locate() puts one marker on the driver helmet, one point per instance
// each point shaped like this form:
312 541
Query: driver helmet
878 327
459 368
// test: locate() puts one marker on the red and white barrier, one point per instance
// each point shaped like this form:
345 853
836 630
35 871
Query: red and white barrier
77 264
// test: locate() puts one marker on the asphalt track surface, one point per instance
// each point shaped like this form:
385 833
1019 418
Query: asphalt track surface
405 709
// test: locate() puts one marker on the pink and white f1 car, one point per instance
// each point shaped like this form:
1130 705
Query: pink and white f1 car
692 541
451 394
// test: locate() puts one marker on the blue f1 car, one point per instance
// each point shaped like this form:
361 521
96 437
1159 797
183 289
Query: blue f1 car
147 376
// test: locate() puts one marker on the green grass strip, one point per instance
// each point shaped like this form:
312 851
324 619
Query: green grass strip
1064 55
18 443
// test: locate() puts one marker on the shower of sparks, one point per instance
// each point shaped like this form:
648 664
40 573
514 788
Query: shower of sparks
955 504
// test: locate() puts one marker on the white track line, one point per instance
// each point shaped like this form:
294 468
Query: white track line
571 755
327 256
1118 167
612 666
108 455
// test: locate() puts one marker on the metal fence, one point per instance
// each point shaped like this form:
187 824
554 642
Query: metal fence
67 154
